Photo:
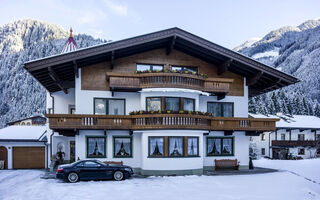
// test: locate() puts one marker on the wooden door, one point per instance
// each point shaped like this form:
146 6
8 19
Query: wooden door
72 151
28 157
4 156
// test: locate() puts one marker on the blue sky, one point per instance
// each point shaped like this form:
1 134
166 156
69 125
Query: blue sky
225 22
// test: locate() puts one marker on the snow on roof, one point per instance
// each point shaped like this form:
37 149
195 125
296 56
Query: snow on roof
293 121
23 133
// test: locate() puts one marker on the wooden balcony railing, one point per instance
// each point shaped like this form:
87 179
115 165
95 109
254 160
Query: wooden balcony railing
158 121
295 143
120 81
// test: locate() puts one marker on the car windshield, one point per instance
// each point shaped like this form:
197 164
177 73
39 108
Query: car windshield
100 162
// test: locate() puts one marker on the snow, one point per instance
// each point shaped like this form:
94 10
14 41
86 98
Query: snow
294 121
308 168
271 53
22 132
26 184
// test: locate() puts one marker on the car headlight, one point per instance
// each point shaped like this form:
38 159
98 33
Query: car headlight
128 169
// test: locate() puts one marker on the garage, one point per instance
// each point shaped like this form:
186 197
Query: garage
23 147
28 157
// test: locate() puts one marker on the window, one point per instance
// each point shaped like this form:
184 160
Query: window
153 103
156 146
263 137
220 146
301 137
183 68
188 104
175 146
90 164
96 147
283 136
173 103
109 106
318 136
116 107
146 67
100 106
122 146
169 103
301 151
263 151
193 143
220 109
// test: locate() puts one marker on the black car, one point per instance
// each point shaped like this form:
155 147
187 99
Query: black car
92 170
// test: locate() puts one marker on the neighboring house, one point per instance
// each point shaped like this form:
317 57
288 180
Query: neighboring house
295 136
23 147
164 103
34 121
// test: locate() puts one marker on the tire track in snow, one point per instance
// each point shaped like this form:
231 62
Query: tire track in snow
308 179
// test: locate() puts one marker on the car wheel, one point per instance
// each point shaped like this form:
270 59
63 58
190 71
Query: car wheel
73 177
118 176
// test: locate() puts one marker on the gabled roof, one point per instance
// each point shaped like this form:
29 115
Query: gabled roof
23 133
293 121
58 72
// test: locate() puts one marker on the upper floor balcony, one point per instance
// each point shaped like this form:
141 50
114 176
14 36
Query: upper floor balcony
295 143
135 82
158 121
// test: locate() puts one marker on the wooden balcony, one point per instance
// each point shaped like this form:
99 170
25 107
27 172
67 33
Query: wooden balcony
157 121
295 143
134 82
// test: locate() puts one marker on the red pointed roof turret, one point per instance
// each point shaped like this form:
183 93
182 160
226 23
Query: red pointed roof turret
70 45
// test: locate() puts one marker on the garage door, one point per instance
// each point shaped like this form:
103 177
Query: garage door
28 157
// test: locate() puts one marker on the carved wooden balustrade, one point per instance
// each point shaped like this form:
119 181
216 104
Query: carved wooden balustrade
158 121
120 81
295 143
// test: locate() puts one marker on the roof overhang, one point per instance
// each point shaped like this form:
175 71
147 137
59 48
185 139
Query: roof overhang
58 72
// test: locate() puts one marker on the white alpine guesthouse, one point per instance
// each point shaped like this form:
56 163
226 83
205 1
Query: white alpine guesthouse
164 103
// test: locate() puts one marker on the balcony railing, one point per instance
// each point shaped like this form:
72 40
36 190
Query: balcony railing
295 143
158 121
120 81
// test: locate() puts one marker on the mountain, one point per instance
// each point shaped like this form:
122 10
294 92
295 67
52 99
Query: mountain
21 95
294 50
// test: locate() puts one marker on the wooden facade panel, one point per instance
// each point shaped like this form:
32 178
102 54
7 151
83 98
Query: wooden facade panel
28 157
93 77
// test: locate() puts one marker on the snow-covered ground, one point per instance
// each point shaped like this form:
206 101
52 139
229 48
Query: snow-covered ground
309 168
26 184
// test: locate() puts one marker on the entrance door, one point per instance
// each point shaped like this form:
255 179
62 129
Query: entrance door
72 151
4 156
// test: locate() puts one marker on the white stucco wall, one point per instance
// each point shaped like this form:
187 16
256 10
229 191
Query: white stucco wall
61 101
9 146
241 149
85 98
183 163
134 161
